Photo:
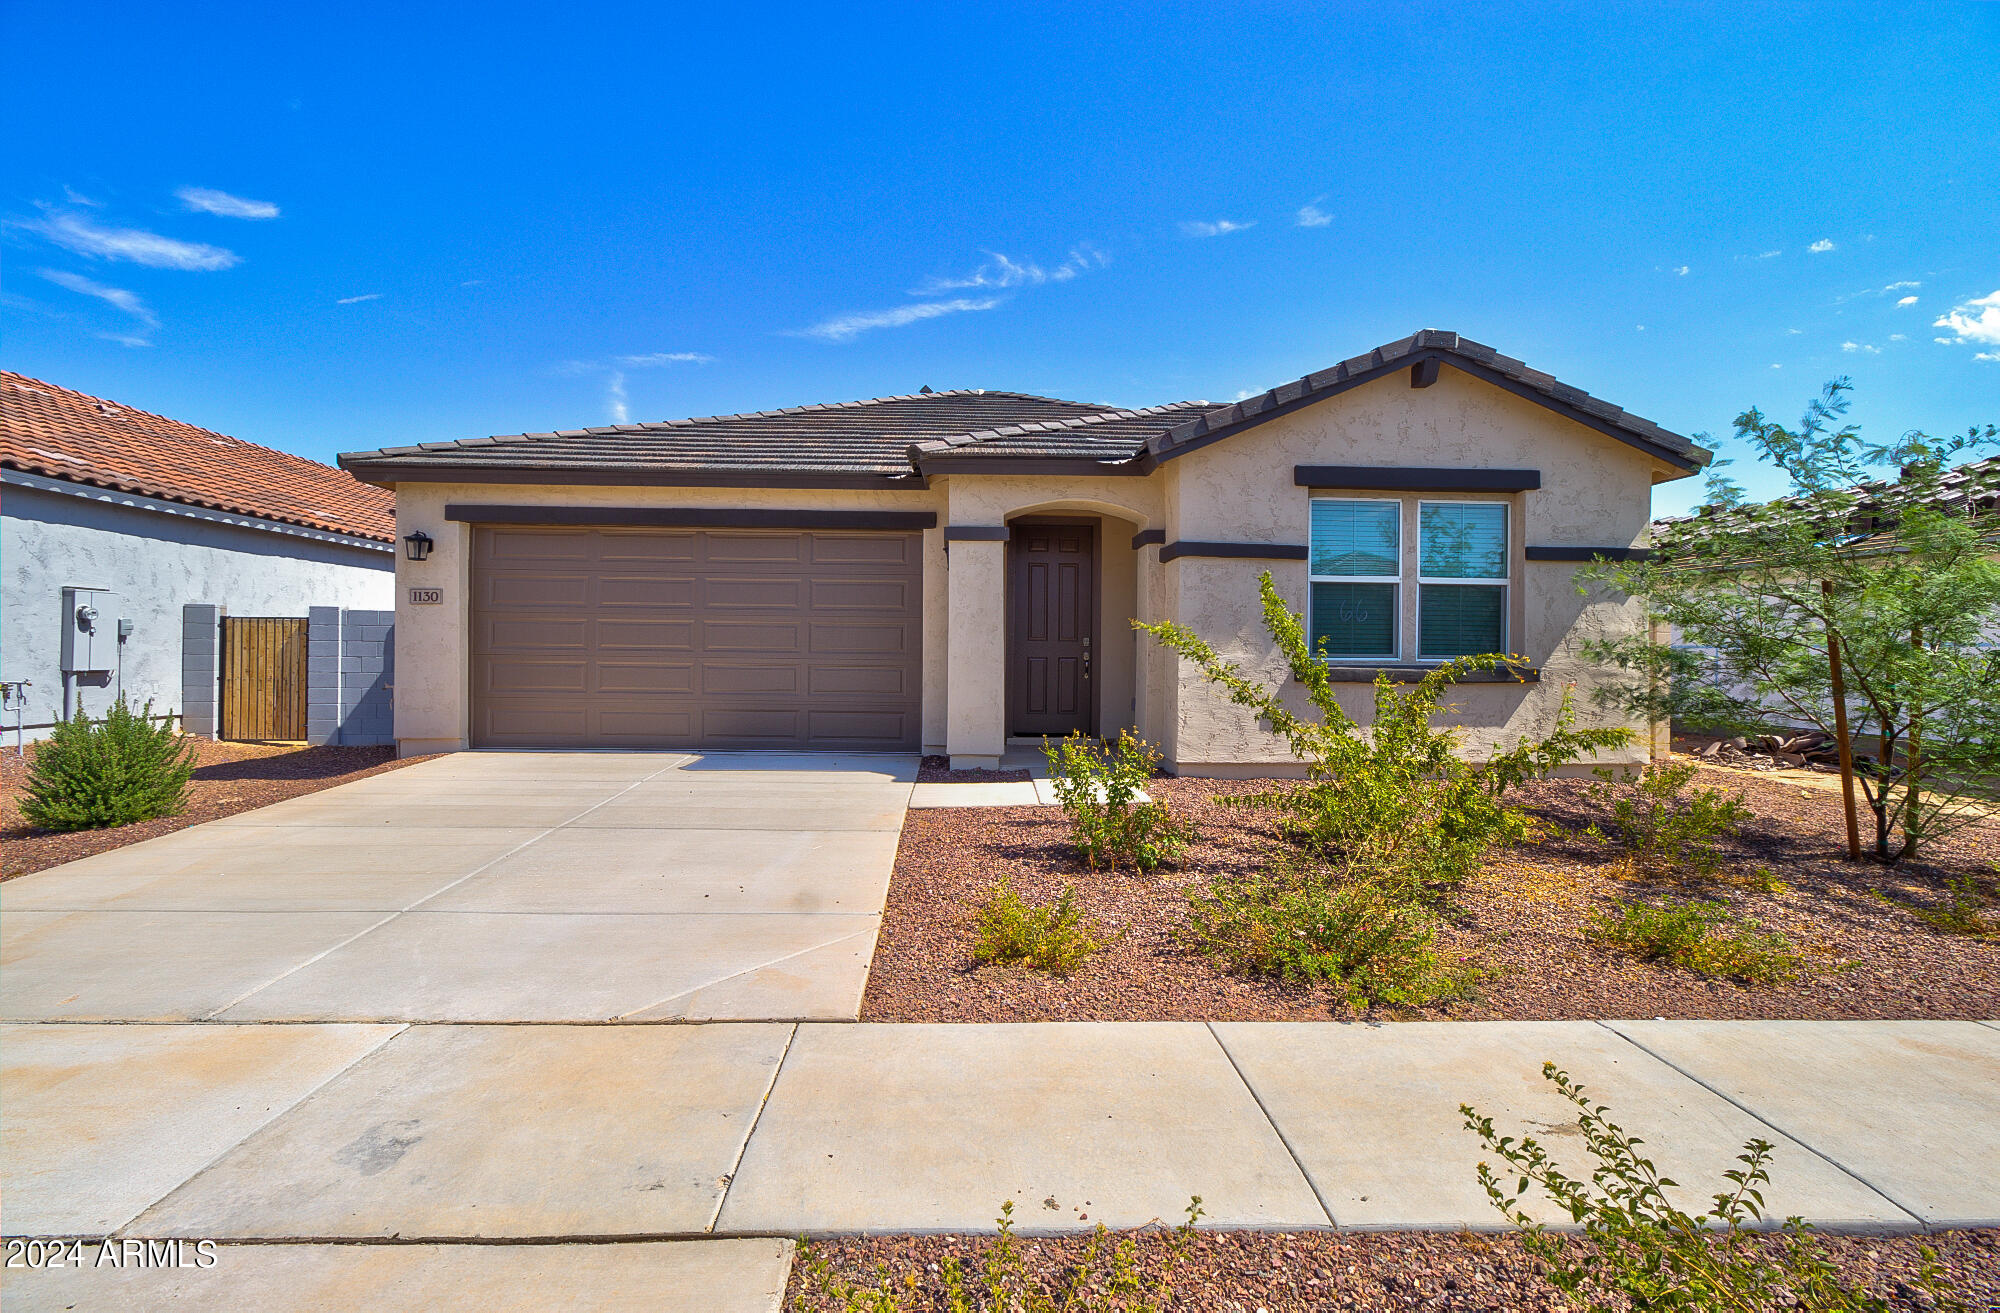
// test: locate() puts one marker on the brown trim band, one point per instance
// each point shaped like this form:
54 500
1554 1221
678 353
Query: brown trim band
1148 537
1589 553
631 476
950 464
1415 478
977 533
684 517
1239 551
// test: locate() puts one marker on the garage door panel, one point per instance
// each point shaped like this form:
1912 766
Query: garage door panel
665 638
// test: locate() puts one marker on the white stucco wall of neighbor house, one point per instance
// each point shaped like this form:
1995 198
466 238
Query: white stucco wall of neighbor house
157 557
1595 492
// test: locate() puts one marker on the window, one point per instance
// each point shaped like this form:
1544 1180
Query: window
1364 584
1357 565
1461 580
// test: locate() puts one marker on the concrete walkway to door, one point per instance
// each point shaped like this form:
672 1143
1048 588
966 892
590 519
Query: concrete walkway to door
488 886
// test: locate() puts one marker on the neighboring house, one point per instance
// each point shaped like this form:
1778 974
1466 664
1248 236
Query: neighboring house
953 570
144 515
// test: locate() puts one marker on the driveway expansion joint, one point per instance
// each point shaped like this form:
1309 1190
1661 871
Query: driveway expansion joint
1276 1129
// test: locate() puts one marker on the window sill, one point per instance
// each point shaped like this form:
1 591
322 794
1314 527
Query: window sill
1346 674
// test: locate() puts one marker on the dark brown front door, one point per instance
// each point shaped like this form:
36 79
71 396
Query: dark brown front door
1052 627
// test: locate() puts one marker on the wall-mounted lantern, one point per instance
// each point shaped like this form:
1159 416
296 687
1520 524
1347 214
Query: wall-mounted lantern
417 546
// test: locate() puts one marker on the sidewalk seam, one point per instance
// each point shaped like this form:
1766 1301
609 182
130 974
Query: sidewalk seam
716 1217
1276 1130
1752 1113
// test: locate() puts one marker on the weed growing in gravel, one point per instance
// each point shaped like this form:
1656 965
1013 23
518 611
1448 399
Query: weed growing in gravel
1099 789
1375 946
1663 827
1639 1251
1703 937
1963 913
1053 937
1104 1279
124 768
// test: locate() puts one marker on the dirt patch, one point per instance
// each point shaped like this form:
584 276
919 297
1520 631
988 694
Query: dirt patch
229 778
937 770
1521 922
1281 1272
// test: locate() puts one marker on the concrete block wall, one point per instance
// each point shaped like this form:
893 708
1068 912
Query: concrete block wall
323 674
367 676
201 668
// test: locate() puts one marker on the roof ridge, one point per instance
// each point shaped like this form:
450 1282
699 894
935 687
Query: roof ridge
934 445
120 406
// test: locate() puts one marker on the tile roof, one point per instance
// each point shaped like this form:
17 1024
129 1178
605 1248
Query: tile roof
62 434
901 438
870 437
1972 489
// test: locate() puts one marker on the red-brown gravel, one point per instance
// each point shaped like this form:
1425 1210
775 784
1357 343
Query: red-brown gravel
230 778
1241 1271
1521 921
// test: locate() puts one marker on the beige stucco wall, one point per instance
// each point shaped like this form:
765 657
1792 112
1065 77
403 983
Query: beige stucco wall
1596 492
433 643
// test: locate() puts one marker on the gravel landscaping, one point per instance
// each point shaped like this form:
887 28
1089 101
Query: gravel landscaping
230 778
1521 922
1242 1271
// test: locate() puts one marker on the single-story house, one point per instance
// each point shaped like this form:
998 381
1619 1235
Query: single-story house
113 521
951 571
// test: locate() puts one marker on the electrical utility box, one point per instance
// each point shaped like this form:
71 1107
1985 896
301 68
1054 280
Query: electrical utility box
90 630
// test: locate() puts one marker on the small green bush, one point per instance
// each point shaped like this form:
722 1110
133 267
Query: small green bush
1099 787
1375 946
1054 937
1963 913
124 768
1106 1278
1701 936
1661 825
1638 1251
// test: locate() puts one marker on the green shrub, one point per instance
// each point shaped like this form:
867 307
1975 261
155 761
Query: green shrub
1054 937
124 768
1638 1251
1703 937
1661 826
1392 802
1374 945
1963 913
1105 1278
1099 788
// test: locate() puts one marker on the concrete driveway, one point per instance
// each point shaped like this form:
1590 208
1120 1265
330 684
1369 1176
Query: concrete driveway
484 887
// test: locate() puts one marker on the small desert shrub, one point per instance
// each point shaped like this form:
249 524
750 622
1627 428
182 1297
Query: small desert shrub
1104 1279
1963 913
1662 825
124 768
1701 936
1375 946
1392 802
1098 787
1054 937
1638 1251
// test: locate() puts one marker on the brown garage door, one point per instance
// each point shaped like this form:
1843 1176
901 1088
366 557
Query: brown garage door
696 638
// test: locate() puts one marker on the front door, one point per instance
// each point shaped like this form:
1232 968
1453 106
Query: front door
1051 627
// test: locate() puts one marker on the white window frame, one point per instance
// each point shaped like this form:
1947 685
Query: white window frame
1396 581
1503 581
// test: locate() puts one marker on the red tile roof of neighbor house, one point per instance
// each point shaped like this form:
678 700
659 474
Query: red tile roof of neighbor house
62 434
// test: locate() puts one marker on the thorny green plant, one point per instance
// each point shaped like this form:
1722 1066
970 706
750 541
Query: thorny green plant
1637 1250
1055 937
1100 788
1663 827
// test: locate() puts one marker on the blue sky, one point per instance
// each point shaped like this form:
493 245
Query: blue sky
328 228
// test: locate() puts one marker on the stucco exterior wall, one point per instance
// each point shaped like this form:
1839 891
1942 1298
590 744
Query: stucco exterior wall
156 562
434 652
1595 492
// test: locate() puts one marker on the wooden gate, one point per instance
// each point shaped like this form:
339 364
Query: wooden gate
264 678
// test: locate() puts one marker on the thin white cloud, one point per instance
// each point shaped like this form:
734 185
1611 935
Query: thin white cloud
1311 216
656 359
614 398
1793 332
210 201
846 327
1821 247
1218 228
357 300
1777 366
1908 300
79 233
1244 395
1861 347
1977 320
1906 283
1899 337
1986 355
473 282
125 339
129 302
1767 255
1638 328
999 272
1681 270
